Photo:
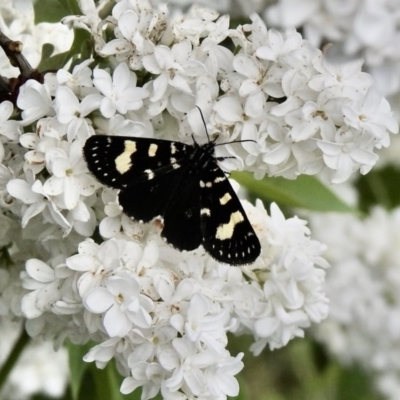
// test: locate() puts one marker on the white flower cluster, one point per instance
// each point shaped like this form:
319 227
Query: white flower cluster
366 28
363 288
164 315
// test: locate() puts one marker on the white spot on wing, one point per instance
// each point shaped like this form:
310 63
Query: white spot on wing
150 173
205 211
152 150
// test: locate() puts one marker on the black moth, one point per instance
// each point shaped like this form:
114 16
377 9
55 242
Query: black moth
181 183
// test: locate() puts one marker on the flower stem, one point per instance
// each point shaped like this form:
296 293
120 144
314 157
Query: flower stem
13 357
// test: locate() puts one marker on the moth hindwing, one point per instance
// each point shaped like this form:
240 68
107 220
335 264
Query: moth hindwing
181 183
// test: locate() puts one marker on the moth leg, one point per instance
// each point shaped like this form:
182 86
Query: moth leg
224 158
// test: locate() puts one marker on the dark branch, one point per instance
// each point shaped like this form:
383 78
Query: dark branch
9 87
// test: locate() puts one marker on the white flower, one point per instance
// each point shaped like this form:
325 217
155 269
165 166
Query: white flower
80 80
70 178
122 304
138 26
309 121
216 58
49 133
9 129
278 46
120 92
201 326
35 101
371 113
32 195
195 24
339 74
251 88
187 364
148 376
111 225
82 218
220 377
45 288
72 112
347 154
120 126
99 262
173 67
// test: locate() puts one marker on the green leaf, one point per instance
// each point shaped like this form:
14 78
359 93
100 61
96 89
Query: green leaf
51 10
53 63
380 186
304 192
108 382
355 384
59 60
77 366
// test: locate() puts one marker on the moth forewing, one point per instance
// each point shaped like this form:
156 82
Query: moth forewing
121 161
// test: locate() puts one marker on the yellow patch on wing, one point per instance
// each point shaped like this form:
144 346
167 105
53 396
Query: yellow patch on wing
225 198
225 231
123 162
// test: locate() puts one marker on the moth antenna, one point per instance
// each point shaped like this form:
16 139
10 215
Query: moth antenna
236 141
204 122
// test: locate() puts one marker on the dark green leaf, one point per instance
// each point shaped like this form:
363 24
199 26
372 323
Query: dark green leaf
108 382
53 63
77 366
304 192
380 186
50 10
355 384
59 60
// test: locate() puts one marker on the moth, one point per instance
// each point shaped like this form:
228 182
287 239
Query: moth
181 183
